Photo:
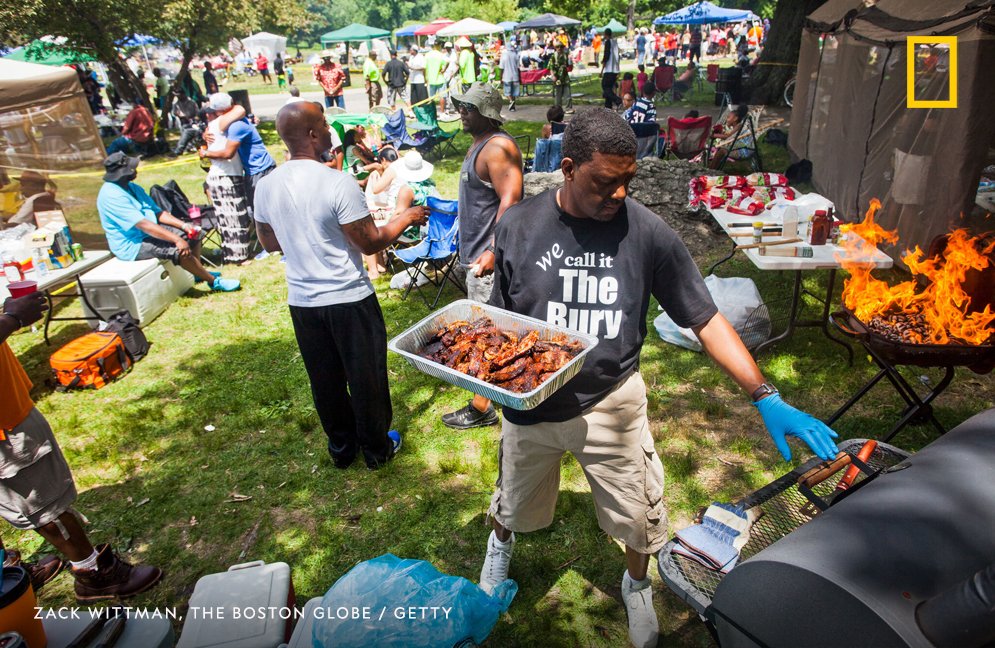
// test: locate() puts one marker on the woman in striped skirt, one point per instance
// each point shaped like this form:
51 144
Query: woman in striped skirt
226 184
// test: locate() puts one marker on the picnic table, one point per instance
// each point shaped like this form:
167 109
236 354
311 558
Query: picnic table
532 78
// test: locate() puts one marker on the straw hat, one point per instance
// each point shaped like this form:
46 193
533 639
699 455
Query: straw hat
327 53
464 42
413 168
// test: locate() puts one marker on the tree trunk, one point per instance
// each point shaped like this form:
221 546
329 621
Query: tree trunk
630 15
779 59
129 87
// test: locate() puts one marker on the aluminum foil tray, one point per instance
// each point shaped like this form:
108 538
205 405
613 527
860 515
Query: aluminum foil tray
412 341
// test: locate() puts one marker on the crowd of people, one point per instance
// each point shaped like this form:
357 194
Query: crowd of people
333 207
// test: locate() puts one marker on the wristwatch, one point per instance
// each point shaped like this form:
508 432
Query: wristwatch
765 389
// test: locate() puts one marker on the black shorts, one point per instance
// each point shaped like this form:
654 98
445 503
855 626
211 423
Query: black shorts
153 248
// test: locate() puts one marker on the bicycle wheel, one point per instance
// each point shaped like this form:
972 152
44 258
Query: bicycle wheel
789 92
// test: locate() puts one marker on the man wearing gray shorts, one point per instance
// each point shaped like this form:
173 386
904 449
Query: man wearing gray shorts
587 257
490 182
36 486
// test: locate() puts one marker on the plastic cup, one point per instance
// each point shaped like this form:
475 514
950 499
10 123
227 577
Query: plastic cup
22 288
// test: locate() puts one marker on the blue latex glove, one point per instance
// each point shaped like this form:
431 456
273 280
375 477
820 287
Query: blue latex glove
783 420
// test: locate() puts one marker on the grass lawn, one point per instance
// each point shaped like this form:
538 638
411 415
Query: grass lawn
161 486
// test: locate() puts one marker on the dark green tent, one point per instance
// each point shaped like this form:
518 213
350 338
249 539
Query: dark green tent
353 33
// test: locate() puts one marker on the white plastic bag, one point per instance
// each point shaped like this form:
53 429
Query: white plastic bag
736 298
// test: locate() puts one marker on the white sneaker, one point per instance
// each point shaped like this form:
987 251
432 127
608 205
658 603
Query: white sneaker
496 563
644 629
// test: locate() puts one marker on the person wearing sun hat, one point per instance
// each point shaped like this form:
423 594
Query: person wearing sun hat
137 228
490 183
331 78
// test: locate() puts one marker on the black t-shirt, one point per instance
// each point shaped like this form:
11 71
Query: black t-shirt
595 277
395 73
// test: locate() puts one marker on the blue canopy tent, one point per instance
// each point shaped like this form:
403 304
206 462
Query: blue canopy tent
408 31
704 12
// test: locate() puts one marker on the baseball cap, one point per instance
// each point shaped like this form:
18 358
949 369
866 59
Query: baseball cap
118 165
485 98
219 101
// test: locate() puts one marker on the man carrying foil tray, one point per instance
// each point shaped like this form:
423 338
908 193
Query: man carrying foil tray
588 257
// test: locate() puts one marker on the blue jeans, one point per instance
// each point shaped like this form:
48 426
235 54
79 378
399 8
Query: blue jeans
338 100
511 89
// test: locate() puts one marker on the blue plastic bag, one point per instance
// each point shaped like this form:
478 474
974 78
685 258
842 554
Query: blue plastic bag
391 601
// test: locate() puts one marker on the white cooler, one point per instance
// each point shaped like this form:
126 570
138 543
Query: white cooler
249 606
145 288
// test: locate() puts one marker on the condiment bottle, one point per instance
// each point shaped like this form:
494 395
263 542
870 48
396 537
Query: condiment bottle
820 228
758 232
12 269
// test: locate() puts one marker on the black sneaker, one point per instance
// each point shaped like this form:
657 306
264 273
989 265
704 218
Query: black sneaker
470 417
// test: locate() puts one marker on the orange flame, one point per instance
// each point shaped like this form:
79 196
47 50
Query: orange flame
943 302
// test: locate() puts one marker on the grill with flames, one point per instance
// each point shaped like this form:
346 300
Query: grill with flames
941 317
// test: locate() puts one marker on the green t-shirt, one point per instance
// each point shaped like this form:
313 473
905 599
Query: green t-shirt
466 67
435 65
370 71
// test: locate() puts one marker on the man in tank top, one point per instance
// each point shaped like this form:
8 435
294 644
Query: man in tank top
490 182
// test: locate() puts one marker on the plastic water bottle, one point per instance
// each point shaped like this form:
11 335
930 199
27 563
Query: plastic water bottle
40 262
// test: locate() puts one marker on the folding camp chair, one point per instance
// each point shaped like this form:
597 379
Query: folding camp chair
744 140
438 141
647 134
549 154
712 73
396 132
439 250
557 128
172 199
687 138
663 79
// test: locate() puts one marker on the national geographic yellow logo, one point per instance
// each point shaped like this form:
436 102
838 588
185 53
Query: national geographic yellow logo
931 60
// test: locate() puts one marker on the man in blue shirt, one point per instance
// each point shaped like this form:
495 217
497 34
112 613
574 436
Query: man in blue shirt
137 228
244 139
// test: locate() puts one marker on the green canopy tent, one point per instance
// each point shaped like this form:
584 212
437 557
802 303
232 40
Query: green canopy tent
353 33
44 53
616 27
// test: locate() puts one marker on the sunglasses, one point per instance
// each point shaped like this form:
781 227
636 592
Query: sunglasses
465 109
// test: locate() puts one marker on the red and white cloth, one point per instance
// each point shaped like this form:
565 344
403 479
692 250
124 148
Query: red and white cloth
739 194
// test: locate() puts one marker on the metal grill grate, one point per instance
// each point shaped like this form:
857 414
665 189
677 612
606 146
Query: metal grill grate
783 512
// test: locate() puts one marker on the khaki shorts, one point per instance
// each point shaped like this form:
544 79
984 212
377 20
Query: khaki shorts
479 288
42 491
613 444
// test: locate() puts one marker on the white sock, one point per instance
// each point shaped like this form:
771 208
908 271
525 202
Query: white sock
638 584
503 545
88 563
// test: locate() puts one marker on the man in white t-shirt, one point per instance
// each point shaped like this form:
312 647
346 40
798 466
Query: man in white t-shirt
609 71
318 218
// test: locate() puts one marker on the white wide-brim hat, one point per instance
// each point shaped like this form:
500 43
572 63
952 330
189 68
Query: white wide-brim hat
412 167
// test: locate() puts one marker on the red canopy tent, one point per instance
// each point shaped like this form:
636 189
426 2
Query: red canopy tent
432 27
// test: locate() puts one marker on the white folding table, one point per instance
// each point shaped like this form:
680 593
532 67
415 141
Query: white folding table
824 257
53 284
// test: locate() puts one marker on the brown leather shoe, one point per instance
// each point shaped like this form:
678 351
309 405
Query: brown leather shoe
41 571
113 578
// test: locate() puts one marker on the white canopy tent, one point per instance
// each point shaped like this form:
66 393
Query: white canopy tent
265 42
45 121
468 27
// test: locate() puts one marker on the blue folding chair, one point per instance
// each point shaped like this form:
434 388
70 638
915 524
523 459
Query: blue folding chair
396 132
549 154
439 250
